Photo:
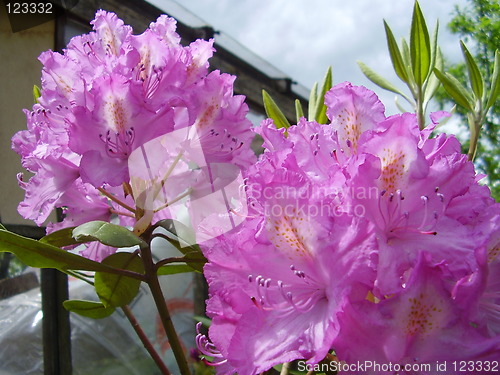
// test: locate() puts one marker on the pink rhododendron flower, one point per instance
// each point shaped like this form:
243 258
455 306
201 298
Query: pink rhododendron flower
109 93
365 237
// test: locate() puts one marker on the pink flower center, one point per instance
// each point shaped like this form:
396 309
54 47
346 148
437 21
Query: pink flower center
119 144
398 220
301 296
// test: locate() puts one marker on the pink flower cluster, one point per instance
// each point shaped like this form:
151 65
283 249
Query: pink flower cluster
106 96
367 238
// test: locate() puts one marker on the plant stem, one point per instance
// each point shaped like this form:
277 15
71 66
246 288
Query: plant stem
145 341
285 368
420 109
161 306
116 200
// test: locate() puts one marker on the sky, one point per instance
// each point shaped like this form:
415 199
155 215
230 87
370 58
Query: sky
302 38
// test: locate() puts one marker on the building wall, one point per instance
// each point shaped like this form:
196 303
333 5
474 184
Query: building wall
19 71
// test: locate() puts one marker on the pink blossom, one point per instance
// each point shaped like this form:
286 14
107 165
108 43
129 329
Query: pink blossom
109 93
394 240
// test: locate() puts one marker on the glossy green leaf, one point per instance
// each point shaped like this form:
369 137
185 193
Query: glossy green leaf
320 109
395 53
172 269
455 89
183 239
475 77
495 82
380 81
118 290
106 233
298 110
42 255
273 111
420 46
89 309
36 93
60 238
313 98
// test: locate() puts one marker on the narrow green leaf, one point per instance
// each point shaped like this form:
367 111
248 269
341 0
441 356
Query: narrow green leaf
475 77
118 290
171 269
400 106
495 82
455 89
434 47
433 83
273 111
183 239
420 46
60 238
431 87
313 98
320 110
106 233
395 53
206 322
405 52
298 110
36 93
89 309
42 255
380 81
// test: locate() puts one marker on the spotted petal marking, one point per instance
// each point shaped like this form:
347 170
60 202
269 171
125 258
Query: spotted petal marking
393 169
290 234
423 316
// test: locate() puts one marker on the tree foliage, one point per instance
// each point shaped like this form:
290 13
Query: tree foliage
478 24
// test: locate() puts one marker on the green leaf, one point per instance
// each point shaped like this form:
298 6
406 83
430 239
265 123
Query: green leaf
182 238
106 233
36 93
273 111
320 110
433 83
434 47
380 81
455 89
420 46
60 238
475 77
313 98
42 255
206 322
395 53
118 290
495 82
298 110
172 269
89 309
